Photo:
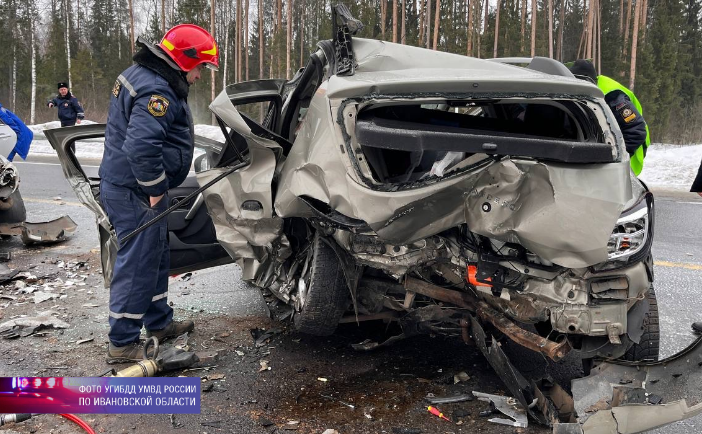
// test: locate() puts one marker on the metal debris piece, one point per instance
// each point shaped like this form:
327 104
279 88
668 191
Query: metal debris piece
460 377
351 406
261 336
291 425
450 399
264 366
41 296
369 345
83 341
43 319
41 233
507 406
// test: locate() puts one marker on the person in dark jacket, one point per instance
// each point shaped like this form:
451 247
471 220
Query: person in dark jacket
148 150
697 186
626 109
70 112
24 134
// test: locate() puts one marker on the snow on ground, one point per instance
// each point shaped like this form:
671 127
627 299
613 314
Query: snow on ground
93 148
671 167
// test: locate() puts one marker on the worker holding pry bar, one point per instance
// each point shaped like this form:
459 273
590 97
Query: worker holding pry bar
149 150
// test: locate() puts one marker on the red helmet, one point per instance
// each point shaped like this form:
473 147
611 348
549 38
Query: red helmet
190 45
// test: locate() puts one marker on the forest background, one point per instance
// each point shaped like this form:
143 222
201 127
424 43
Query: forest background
652 46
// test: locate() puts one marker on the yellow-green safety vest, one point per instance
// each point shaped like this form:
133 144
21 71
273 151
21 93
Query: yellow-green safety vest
608 85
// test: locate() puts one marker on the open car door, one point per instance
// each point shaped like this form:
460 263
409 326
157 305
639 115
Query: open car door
192 239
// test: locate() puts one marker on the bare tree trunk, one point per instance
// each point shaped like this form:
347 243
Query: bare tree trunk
469 36
260 39
163 16
626 29
581 46
289 40
131 24
485 26
213 85
533 27
428 23
599 38
588 40
561 21
302 34
394 21
68 43
78 34
497 29
621 18
404 20
550 29
225 50
421 21
437 16
238 42
13 87
524 14
644 17
246 38
33 102
634 42
383 17
278 52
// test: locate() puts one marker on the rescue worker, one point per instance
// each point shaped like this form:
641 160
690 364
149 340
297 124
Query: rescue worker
626 109
148 150
24 134
70 112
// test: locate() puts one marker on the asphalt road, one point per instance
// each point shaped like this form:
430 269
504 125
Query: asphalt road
677 253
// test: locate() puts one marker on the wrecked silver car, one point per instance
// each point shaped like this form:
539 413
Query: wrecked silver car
452 195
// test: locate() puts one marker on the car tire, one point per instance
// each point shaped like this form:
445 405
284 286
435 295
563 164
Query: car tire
648 348
326 295
16 213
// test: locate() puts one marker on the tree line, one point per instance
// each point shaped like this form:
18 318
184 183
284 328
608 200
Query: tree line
652 46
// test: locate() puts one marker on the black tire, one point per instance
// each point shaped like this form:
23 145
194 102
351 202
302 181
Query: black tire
16 213
648 348
327 295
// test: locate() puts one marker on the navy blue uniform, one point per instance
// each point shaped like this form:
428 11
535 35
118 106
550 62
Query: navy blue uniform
148 149
69 109
629 119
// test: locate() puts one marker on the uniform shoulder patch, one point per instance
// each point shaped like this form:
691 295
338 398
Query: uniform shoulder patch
158 105
626 112
116 88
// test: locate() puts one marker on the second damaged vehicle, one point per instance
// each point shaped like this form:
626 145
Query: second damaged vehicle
453 195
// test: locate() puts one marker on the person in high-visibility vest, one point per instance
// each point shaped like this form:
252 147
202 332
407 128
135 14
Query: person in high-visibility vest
626 109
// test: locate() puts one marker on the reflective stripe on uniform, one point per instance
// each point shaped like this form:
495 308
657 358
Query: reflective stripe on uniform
127 85
126 315
160 296
154 182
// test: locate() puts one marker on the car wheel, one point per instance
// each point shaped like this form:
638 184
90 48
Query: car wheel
322 292
649 346
13 211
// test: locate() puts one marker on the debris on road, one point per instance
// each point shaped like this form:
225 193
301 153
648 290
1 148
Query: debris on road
261 336
43 232
460 377
25 326
84 341
436 412
450 399
264 366
291 425
351 406
507 406
41 296
322 379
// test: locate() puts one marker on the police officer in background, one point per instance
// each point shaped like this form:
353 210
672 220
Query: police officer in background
148 150
70 112
626 109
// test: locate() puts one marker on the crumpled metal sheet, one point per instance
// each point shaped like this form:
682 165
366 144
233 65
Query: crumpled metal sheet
629 398
252 235
540 206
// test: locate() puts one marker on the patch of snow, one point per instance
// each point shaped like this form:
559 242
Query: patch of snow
671 166
93 148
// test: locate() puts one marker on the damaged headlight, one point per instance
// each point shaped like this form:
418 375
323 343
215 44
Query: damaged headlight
630 234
